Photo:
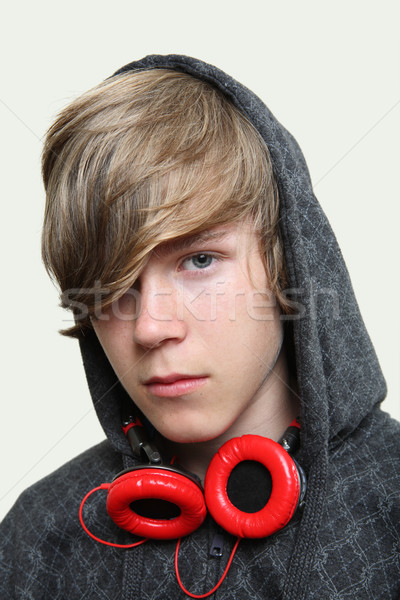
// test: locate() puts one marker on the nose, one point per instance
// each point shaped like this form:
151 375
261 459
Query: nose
158 317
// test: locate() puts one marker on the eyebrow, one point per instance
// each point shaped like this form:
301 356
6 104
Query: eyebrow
183 243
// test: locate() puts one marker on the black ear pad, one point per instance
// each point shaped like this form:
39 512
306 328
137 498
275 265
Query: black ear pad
249 486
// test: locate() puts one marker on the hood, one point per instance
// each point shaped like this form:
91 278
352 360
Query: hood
338 375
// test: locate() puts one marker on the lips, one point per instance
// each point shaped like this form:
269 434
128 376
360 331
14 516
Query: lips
169 378
174 384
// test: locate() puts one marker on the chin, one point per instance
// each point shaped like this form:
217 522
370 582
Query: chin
188 437
192 435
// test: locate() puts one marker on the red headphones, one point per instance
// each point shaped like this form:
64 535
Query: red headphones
161 501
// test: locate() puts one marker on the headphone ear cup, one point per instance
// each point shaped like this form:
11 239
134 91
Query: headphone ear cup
285 493
161 485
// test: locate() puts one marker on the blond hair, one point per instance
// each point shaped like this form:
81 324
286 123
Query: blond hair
144 158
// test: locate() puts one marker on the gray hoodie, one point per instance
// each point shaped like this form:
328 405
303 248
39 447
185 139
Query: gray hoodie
344 543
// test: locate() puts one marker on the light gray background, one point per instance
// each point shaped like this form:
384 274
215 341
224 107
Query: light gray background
328 70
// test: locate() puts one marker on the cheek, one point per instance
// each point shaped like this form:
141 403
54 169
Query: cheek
115 337
125 309
254 333
262 307
218 304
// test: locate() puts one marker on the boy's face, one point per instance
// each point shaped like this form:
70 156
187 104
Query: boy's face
194 341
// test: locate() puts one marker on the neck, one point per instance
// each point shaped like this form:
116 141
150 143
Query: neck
268 414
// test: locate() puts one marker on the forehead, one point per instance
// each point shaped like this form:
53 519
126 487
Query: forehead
209 235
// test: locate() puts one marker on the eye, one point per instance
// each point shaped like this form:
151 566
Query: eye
198 261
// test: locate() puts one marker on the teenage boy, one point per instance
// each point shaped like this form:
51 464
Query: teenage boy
211 302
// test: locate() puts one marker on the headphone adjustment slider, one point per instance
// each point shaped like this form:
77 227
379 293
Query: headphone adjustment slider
290 440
